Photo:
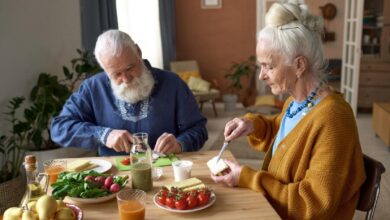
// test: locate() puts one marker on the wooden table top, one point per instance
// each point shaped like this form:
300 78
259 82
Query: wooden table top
231 203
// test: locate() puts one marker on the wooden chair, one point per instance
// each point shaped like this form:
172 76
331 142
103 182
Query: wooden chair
201 97
369 191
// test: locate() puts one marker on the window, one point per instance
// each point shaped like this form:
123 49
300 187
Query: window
140 19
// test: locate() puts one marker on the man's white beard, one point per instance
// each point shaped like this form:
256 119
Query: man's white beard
138 89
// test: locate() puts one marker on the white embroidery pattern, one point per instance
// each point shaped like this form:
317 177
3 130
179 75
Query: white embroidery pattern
133 112
101 133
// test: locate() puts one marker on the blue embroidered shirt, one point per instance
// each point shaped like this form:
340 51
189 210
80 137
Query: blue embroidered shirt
92 112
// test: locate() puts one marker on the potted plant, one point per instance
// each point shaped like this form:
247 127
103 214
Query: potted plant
30 127
236 71
12 183
49 95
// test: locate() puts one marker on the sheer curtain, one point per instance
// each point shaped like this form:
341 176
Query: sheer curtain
140 19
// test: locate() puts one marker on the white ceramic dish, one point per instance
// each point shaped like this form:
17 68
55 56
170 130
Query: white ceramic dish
93 200
103 165
213 198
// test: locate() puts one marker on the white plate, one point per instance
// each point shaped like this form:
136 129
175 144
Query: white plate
93 200
213 198
103 165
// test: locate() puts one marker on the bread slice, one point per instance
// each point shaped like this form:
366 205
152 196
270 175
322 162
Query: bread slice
215 167
80 165
187 184
199 186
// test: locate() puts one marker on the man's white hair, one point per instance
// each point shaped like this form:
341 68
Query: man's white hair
111 43
292 31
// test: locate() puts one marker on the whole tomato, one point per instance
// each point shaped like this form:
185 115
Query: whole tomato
125 161
161 198
164 191
203 199
192 201
180 203
170 201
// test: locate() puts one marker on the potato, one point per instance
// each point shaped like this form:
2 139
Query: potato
13 213
65 214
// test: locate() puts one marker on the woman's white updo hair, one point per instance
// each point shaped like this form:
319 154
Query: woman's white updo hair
111 43
291 30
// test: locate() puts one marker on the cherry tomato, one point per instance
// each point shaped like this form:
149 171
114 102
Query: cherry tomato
161 198
174 190
203 199
180 203
164 192
126 161
170 201
192 201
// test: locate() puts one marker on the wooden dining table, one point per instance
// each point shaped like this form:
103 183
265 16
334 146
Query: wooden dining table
231 202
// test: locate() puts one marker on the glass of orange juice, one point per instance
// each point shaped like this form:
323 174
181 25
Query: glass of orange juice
131 204
53 168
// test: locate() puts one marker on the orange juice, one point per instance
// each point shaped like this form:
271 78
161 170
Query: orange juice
53 171
131 210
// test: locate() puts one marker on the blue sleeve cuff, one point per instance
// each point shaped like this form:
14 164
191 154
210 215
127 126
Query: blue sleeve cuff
103 134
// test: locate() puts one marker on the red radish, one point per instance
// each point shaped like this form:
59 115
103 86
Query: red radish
115 188
108 182
100 180
89 178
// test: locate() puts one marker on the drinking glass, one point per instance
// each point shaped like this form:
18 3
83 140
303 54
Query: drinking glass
131 204
53 168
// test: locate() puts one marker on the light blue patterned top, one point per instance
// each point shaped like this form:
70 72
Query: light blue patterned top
288 124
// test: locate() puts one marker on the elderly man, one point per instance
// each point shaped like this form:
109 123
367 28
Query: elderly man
129 96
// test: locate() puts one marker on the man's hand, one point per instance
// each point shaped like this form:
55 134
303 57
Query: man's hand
119 140
231 177
238 127
167 143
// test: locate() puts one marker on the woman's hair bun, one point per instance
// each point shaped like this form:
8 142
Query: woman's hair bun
293 11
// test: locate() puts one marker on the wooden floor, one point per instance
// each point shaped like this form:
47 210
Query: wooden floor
371 145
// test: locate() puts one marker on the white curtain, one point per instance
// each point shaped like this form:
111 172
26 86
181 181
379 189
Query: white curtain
140 19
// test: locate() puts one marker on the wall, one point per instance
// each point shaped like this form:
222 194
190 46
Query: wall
215 37
36 36
333 50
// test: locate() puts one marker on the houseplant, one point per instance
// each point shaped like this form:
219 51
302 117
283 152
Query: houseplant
236 71
30 131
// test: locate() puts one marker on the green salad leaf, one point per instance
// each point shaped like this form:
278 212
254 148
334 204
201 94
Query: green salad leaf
76 185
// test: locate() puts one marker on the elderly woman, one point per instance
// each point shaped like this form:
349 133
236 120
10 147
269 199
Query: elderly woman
313 167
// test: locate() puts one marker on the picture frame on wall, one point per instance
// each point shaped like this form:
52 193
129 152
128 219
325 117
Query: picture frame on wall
211 4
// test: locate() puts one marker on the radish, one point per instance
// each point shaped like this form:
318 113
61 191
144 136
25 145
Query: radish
115 188
108 182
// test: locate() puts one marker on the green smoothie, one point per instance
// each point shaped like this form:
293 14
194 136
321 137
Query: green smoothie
141 176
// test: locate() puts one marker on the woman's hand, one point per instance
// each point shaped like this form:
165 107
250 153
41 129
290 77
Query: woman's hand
119 140
238 127
231 176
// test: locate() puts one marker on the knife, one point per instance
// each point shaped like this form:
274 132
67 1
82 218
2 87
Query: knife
225 144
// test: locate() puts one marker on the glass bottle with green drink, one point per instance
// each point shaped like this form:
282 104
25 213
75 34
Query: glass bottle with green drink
141 168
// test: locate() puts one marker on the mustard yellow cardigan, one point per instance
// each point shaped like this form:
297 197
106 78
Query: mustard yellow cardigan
317 169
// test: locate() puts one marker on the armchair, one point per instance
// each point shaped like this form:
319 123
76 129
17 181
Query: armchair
189 72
